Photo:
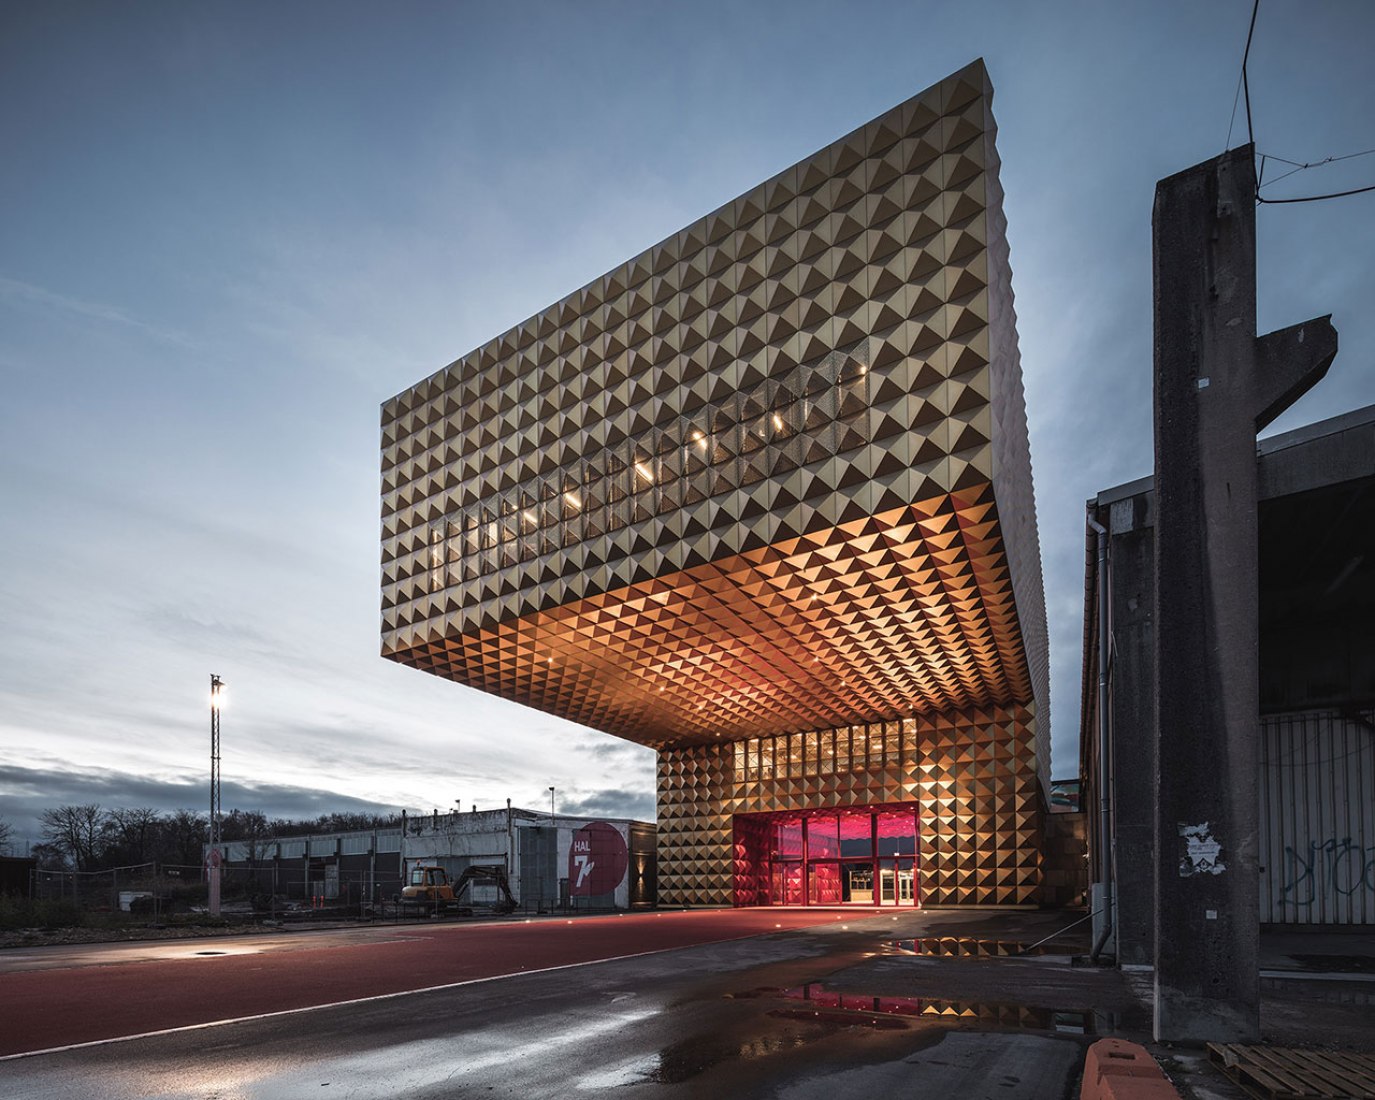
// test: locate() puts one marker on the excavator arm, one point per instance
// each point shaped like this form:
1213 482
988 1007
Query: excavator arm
496 876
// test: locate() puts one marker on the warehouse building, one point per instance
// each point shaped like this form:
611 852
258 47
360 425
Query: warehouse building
760 498
550 862
1315 785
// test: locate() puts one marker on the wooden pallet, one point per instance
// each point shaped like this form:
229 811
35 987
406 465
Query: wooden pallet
1280 1073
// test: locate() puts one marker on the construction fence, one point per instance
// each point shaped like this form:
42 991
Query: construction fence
157 891
274 889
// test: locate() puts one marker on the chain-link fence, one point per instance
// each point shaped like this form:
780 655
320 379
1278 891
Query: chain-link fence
271 890
144 890
158 892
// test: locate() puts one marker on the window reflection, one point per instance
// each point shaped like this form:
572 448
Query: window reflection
823 838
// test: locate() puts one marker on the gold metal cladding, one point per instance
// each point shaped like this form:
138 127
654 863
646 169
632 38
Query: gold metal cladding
908 610
763 393
768 476
973 775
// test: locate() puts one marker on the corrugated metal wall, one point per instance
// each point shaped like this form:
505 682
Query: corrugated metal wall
1317 813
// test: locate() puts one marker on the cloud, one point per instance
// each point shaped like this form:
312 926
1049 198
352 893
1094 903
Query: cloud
606 749
612 802
28 296
26 792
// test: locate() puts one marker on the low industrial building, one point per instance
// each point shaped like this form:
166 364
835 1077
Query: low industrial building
1316 781
16 876
551 862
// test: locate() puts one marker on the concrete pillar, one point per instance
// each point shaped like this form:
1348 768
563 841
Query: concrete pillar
1216 385
1132 555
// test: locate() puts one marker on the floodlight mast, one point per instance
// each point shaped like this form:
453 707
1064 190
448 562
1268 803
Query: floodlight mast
213 856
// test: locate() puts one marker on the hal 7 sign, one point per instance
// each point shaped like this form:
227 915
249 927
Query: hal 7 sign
597 860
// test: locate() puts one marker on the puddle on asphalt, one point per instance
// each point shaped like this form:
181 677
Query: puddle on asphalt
807 1013
835 1002
963 947
685 1060
693 1056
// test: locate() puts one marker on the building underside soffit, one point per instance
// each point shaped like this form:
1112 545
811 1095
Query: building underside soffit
910 611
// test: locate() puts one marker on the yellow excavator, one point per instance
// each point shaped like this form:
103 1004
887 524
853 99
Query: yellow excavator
429 886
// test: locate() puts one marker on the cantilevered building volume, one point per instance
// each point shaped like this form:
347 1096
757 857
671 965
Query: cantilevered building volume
760 498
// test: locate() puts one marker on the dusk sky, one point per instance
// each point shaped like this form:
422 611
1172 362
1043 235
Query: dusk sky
230 231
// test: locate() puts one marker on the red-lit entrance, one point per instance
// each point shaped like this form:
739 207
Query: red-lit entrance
865 856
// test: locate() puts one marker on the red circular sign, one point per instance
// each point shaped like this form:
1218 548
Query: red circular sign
597 860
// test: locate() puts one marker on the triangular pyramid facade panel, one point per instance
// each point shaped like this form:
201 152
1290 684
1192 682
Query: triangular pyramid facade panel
768 478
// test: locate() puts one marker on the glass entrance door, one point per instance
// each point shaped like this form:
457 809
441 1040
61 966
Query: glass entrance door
859 882
887 882
787 883
823 883
907 882
852 856
897 881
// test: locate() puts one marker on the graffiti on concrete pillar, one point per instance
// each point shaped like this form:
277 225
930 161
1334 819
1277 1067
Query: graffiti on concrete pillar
1334 867
1202 851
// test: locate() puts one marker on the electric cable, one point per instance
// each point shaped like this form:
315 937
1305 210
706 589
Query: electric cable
1251 137
1245 83
1318 198
1236 98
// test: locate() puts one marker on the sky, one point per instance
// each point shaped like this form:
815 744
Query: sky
229 232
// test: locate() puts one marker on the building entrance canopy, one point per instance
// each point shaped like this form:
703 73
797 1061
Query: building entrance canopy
907 611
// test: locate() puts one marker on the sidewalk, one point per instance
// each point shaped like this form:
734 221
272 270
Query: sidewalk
1317 992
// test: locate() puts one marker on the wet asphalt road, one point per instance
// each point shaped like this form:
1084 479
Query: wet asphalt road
823 1012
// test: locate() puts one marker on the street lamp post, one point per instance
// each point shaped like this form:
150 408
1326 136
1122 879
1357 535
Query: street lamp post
214 856
551 807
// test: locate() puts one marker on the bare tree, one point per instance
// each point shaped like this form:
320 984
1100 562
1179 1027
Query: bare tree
346 822
244 825
6 836
50 857
133 833
78 831
251 829
182 835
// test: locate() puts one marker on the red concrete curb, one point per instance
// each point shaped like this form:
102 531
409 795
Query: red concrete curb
1118 1070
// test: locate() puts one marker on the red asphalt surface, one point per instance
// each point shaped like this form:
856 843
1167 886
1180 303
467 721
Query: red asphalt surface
43 1009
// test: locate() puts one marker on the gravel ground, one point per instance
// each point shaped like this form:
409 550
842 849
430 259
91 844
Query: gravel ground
44 937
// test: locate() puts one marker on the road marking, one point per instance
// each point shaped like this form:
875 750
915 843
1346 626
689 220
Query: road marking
341 1004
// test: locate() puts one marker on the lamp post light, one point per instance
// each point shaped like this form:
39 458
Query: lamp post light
214 856
551 808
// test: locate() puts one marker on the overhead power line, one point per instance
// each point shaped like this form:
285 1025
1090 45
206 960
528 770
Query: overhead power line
1244 87
1317 198
1299 167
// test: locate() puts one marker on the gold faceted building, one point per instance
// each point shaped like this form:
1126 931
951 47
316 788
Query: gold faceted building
760 498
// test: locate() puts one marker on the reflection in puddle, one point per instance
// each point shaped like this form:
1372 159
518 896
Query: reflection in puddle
687 1059
690 1057
960 947
829 1003
811 1012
